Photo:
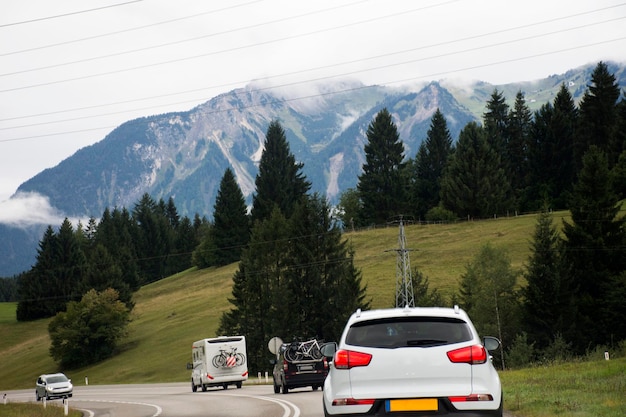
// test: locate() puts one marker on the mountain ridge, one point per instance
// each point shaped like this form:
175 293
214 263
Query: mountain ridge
184 154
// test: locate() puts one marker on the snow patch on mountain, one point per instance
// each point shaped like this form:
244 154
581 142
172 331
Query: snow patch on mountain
335 168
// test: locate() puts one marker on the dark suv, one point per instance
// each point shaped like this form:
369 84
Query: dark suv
299 364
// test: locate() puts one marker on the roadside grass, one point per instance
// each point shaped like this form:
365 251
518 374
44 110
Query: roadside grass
574 389
35 410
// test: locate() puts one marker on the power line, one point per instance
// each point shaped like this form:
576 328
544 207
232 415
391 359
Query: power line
132 51
380 56
285 100
340 64
133 29
68 14
192 57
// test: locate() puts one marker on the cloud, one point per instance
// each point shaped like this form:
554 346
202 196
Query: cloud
28 209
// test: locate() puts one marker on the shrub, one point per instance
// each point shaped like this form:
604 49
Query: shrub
440 214
521 353
89 330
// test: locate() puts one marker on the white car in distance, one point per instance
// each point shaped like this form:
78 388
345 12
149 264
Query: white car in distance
51 386
412 361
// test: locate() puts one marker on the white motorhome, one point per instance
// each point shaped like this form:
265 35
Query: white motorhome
218 361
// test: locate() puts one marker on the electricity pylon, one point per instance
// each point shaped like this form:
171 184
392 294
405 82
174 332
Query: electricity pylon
404 281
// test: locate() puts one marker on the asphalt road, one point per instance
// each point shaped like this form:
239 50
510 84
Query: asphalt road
169 400
177 400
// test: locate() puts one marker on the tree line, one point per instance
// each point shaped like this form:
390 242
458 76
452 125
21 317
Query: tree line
296 275
123 250
516 161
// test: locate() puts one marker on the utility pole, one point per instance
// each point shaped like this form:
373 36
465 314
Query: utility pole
404 281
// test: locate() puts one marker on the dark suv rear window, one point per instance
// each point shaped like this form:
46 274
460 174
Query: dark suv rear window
408 332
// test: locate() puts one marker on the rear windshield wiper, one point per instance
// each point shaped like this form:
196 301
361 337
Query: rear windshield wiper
426 342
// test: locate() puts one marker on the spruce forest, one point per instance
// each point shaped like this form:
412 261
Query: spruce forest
296 274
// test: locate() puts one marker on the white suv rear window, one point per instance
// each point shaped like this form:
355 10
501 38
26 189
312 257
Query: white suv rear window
408 332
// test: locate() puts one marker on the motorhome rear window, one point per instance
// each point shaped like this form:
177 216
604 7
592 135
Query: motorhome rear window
225 339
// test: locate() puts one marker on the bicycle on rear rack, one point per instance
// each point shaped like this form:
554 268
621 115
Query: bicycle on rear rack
298 351
227 359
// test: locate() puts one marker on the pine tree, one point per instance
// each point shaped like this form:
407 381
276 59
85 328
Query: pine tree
171 212
541 151
474 184
545 300
599 117
496 123
280 181
116 232
430 162
185 242
35 288
259 294
423 295
519 120
619 170
230 231
70 264
563 129
153 240
296 278
319 270
103 272
380 186
593 250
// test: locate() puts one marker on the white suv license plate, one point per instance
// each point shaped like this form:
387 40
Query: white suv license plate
417 404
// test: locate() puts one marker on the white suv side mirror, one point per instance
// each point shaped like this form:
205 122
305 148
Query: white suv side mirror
329 349
491 343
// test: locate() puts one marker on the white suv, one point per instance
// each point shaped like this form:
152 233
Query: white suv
402 361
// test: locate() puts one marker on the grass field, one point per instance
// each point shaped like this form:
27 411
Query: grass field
170 314
591 388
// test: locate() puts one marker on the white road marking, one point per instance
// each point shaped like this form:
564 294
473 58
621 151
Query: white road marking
159 410
283 403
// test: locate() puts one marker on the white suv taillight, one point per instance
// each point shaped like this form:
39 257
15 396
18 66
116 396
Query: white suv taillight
472 397
474 355
346 359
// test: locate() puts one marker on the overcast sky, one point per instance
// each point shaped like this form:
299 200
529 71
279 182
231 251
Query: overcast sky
71 71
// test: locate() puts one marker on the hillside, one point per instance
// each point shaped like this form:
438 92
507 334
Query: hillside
172 313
